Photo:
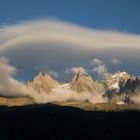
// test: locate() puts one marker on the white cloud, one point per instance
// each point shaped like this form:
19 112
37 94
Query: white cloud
96 61
79 69
115 61
55 31
100 68
102 71
75 70
61 44
8 85
61 94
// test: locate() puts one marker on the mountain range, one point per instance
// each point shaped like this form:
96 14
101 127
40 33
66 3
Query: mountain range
117 88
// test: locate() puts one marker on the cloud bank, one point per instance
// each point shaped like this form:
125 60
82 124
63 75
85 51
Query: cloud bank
57 31
60 44
8 85
60 94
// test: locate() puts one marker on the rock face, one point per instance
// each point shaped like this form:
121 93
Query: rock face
84 83
118 87
43 83
121 86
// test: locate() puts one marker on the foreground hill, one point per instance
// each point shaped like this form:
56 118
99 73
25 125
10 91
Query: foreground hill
100 106
108 107
16 101
52 122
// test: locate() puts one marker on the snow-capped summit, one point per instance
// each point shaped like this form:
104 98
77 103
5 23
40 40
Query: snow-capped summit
121 85
113 81
119 80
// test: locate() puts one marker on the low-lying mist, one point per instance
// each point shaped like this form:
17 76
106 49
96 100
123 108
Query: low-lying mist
10 87
62 95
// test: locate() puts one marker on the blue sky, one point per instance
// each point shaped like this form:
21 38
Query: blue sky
122 15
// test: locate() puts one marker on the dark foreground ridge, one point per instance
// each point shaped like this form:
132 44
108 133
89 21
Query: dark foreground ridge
52 122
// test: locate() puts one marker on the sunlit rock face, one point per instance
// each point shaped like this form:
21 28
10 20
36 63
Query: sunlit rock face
118 87
121 86
43 83
84 83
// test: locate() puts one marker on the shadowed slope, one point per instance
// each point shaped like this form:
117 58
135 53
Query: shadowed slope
53 122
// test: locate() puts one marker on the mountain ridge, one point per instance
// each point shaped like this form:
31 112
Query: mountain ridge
117 87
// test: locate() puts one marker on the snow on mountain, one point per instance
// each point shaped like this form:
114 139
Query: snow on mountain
113 81
118 87
121 86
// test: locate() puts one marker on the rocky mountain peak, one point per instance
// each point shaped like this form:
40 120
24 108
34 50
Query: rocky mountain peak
118 80
84 83
81 76
43 83
39 76
118 87
122 86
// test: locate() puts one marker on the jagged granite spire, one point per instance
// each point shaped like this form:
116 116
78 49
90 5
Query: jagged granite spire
43 83
84 83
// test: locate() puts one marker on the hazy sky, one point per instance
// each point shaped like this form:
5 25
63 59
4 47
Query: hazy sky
59 34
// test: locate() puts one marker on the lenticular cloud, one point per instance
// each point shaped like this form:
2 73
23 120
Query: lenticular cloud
58 31
52 40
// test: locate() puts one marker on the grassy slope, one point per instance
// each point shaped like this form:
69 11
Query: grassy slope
83 105
15 101
100 106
